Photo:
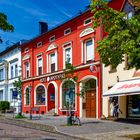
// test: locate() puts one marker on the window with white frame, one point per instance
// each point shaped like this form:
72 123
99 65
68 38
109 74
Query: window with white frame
1 74
27 97
39 66
39 44
88 50
67 31
26 50
67 55
16 70
40 95
52 38
52 62
1 95
87 21
12 71
27 68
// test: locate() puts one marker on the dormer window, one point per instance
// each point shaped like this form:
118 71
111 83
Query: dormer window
39 44
26 50
87 21
67 31
52 38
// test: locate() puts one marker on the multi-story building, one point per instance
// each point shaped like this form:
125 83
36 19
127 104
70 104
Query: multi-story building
44 60
10 63
123 84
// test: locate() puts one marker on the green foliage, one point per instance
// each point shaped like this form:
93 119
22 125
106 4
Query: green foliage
20 116
122 35
4 25
18 85
4 105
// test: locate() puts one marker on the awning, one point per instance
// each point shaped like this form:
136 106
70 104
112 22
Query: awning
123 88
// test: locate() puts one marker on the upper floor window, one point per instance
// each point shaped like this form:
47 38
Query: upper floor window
88 50
27 69
39 44
1 74
67 31
12 71
39 66
26 50
52 38
16 70
52 62
87 21
67 54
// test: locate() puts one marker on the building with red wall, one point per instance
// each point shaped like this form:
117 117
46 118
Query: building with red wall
44 60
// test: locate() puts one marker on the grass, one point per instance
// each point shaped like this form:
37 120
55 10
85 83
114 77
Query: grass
134 136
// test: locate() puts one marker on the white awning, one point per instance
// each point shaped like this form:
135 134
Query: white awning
123 88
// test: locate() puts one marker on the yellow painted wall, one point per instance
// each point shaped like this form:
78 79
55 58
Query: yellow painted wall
122 106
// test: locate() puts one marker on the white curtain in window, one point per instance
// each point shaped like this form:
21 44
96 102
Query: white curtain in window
89 50
40 62
53 59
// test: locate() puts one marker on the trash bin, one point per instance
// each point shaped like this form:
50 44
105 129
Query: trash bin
68 120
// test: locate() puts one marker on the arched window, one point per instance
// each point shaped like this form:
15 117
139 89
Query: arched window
27 97
40 95
68 95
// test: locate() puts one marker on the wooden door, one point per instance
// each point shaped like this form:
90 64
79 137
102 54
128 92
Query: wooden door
91 104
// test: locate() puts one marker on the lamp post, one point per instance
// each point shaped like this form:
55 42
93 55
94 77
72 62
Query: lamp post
30 88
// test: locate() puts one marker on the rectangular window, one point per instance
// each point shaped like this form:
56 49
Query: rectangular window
52 38
67 31
12 71
1 95
16 70
88 51
40 66
87 21
39 44
1 74
27 70
68 57
52 62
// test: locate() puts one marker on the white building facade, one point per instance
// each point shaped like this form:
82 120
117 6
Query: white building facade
10 70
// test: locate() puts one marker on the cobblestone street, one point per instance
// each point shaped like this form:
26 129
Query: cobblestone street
13 132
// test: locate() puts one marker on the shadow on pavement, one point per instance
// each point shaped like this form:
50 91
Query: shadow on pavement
131 121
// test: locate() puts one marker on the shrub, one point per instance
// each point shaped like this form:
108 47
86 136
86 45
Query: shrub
4 105
19 116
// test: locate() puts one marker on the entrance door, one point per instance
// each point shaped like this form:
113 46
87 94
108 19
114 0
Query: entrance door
91 104
51 97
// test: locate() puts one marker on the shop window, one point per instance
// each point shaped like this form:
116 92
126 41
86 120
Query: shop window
27 97
68 95
1 95
134 106
40 95
88 50
27 69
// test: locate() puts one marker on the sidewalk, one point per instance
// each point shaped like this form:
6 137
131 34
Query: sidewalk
91 129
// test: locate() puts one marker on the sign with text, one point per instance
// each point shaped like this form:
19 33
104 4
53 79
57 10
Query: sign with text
52 78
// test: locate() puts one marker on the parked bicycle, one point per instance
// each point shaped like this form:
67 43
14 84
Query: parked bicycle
75 119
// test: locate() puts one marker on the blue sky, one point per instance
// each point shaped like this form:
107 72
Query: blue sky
24 15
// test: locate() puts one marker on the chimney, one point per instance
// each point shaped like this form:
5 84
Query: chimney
43 27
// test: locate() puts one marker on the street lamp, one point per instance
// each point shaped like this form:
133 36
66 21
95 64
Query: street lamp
30 88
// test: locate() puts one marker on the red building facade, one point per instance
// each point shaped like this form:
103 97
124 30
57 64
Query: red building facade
44 59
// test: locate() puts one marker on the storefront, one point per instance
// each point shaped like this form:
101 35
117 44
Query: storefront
128 93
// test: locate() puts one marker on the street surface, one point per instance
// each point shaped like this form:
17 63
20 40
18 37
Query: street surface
13 132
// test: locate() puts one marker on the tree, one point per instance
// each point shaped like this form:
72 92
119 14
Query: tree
121 35
5 25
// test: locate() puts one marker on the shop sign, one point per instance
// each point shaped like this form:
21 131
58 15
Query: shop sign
52 78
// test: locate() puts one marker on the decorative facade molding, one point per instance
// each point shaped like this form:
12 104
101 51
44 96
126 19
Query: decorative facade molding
51 47
86 32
